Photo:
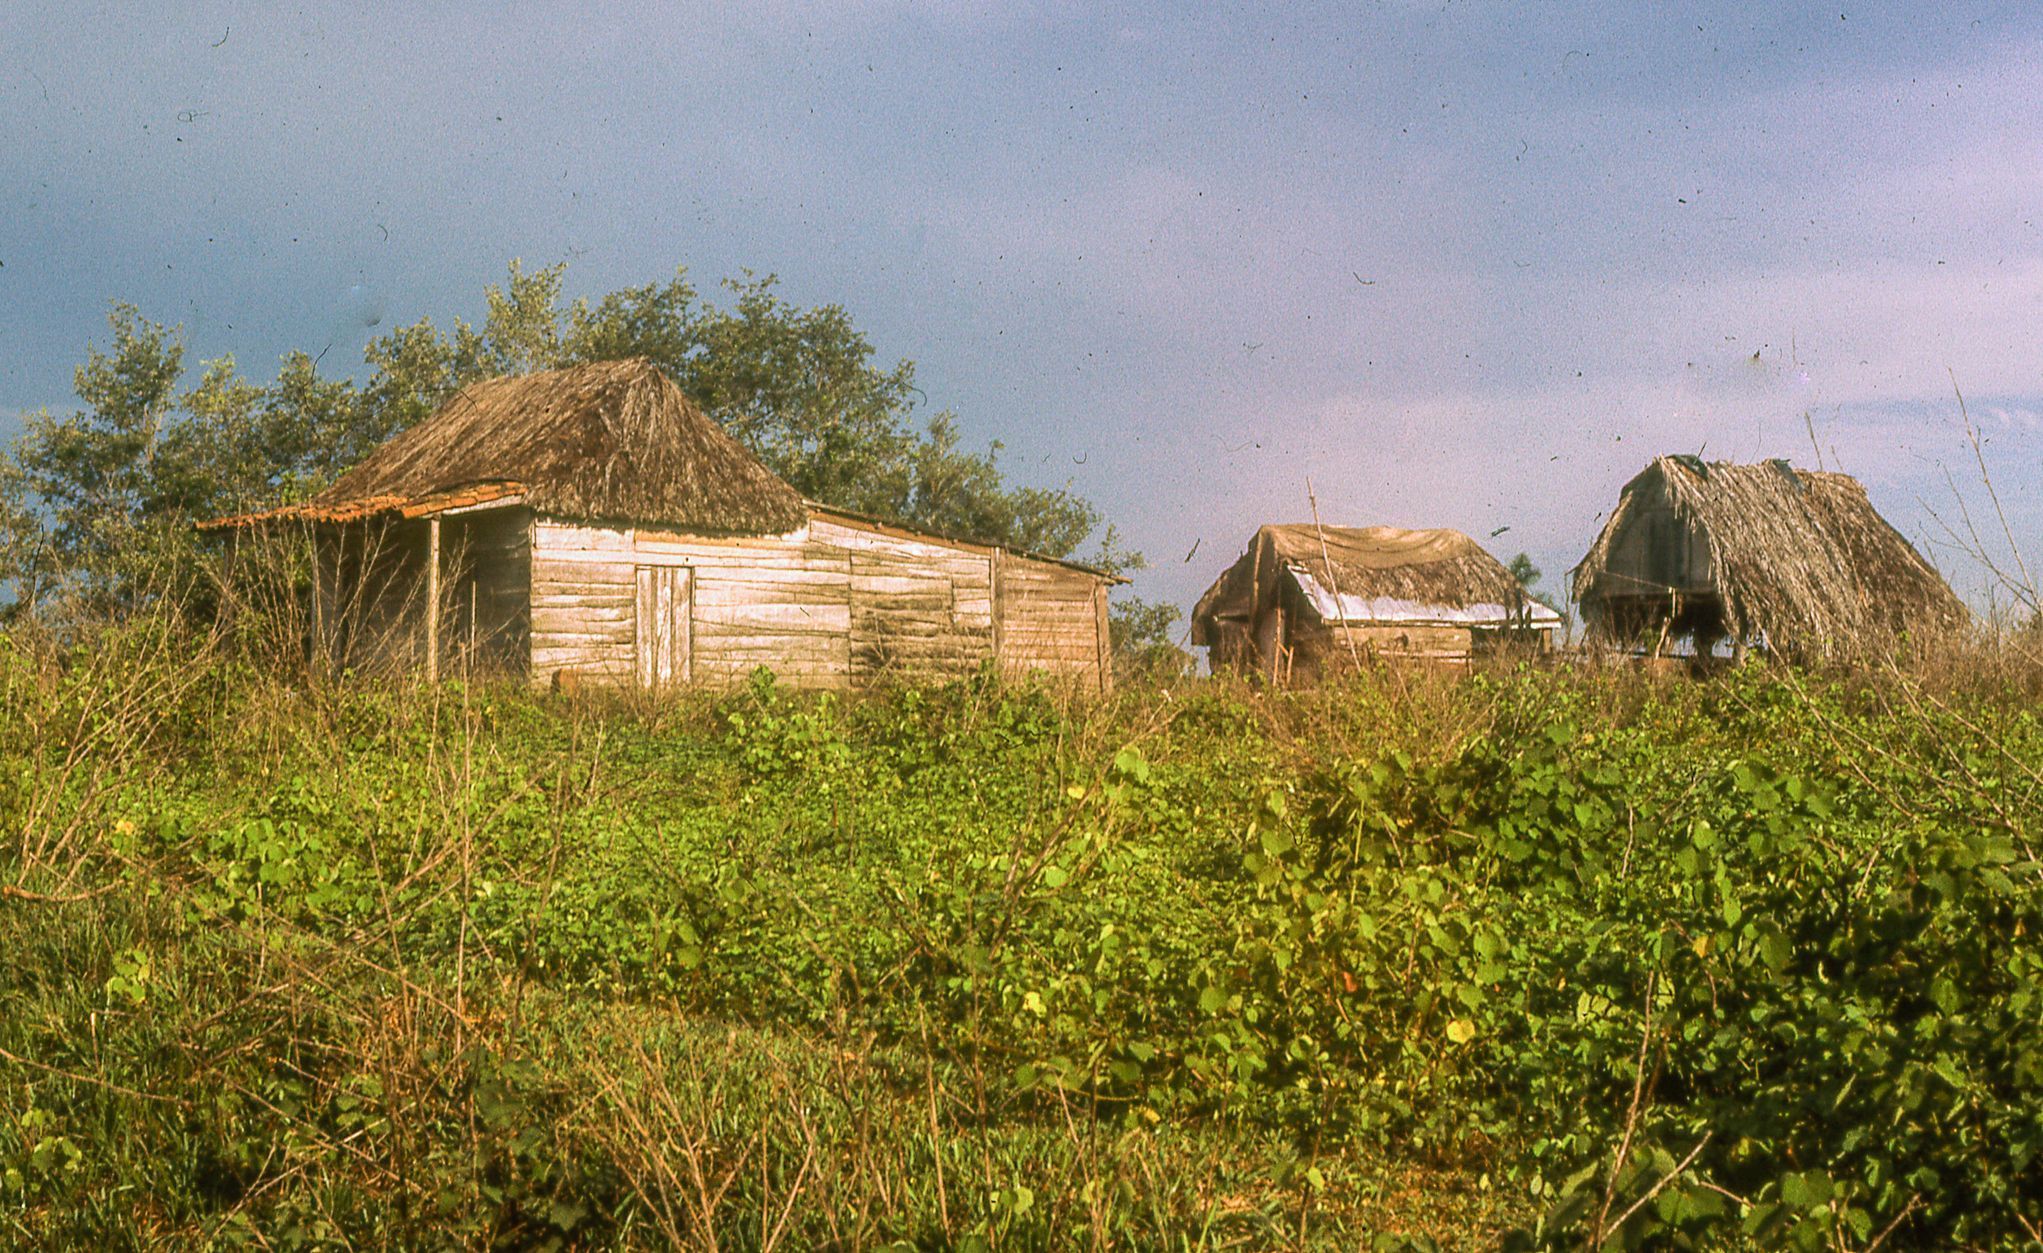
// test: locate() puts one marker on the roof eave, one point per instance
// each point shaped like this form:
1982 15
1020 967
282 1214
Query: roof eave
472 498
923 532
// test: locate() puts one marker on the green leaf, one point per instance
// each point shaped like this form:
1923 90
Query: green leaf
1806 1189
1945 994
1775 950
566 1215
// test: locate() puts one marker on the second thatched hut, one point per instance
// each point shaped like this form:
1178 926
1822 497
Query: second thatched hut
1792 561
1306 599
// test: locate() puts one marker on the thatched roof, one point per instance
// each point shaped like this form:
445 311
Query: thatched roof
613 440
1371 574
1800 557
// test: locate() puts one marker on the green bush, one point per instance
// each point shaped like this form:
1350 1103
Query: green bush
1530 958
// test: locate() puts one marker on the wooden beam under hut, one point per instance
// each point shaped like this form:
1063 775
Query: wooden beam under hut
433 598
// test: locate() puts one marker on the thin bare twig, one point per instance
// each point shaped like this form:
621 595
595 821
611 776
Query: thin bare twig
1333 583
96 1082
1906 1210
1680 1168
2028 583
1631 1118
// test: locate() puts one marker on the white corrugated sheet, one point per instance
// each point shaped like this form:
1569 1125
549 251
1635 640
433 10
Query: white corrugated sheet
1389 609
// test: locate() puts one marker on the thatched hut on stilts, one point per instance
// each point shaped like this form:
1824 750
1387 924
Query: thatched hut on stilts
1792 561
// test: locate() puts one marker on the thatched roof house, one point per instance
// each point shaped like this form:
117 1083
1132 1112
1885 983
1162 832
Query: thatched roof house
1793 560
1304 599
593 524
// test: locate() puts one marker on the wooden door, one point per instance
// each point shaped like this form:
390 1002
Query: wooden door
666 599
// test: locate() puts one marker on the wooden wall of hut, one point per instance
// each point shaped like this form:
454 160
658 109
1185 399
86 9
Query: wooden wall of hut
371 587
838 605
369 591
1318 649
1052 618
1291 644
917 609
485 591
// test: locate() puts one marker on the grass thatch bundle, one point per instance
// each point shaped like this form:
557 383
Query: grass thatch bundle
613 440
1797 558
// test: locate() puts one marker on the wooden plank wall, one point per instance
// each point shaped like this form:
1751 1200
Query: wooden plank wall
781 602
1051 619
1317 649
778 601
835 605
919 609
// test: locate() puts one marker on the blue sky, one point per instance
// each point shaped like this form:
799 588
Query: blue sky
1457 264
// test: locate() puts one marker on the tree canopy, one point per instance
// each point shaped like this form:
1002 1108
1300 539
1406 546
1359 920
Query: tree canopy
801 387
1528 576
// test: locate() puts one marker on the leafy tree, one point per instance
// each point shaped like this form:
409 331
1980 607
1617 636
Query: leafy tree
26 561
655 321
214 455
1144 635
1528 575
414 373
317 427
960 491
800 387
522 330
77 487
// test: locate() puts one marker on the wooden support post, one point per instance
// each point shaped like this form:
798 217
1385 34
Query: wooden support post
317 653
993 573
1255 618
1102 641
433 598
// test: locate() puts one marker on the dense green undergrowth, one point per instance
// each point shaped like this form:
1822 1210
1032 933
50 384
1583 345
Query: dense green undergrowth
1532 957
